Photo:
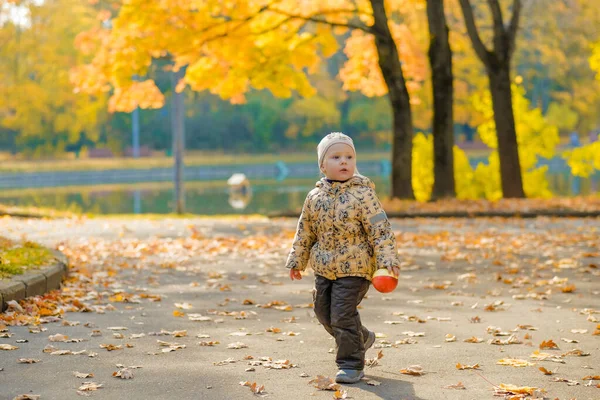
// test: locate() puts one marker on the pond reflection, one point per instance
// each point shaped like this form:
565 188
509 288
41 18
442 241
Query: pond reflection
215 198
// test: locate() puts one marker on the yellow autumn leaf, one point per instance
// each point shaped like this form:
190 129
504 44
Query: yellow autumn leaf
514 362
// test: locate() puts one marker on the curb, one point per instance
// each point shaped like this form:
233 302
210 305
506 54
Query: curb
22 215
474 214
34 283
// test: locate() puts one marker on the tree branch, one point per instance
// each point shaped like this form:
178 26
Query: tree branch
496 17
352 25
514 27
482 52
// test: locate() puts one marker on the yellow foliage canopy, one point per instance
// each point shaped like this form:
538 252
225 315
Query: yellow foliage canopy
229 48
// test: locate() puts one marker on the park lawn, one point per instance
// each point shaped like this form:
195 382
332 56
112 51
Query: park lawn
16 258
32 212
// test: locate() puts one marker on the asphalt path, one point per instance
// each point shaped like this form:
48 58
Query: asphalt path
453 269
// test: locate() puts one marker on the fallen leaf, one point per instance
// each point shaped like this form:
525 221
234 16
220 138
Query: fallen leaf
414 334
575 352
4 346
124 373
373 382
408 340
27 397
340 394
579 330
415 370
89 386
82 375
28 360
567 381
324 383
450 338
111 347
510 340
184 306
473 339
211 343
569 340
463 367
458 385
548 344
546 357
509 389
225 362
372 362
545 371
61 353
58 338
237 345
514 362
254 387
591 377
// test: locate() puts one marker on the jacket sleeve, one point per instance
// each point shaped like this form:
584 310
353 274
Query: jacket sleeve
303 241
379 231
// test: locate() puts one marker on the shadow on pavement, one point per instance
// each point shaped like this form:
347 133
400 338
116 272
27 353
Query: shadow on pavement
390 389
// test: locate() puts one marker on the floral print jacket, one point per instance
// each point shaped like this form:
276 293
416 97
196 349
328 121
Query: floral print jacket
343 231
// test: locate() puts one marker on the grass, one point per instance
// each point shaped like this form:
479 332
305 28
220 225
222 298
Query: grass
16 258
191 159
34 212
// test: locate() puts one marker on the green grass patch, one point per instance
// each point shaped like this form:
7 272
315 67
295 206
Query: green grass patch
32 212
191 159
16 258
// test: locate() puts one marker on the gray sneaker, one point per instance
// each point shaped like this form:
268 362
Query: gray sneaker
370 340
349 375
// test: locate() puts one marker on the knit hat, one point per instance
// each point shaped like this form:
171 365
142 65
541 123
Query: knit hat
330 140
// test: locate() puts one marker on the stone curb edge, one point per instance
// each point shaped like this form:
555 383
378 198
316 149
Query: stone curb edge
34 283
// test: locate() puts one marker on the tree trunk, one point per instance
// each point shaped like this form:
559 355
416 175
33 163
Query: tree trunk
402 127
508 149
497 64
440 59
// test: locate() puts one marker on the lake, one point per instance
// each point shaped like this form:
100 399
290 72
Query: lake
212 198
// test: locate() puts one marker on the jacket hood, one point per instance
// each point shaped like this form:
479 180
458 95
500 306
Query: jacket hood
356 180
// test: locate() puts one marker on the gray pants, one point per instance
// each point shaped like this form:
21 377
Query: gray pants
336 309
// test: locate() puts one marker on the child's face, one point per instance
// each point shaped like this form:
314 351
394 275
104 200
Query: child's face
339 162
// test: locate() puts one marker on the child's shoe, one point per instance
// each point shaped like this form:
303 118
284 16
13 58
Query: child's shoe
349 375
370 340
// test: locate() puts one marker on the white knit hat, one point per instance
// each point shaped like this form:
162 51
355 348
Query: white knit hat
330 140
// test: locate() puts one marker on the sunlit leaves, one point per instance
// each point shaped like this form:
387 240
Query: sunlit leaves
37 99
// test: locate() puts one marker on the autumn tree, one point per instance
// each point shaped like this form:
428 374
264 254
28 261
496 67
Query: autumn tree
36 98
440 58
230 48
497 63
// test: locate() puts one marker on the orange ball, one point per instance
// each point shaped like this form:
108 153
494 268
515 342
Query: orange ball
384 281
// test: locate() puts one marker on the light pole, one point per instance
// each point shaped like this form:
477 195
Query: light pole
178 130
135 127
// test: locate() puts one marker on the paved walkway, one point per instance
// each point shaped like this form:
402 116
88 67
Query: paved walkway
225 280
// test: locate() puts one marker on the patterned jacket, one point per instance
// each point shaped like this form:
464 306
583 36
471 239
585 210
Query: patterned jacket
343 231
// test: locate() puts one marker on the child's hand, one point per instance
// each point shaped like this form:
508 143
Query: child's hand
394 270
295 274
